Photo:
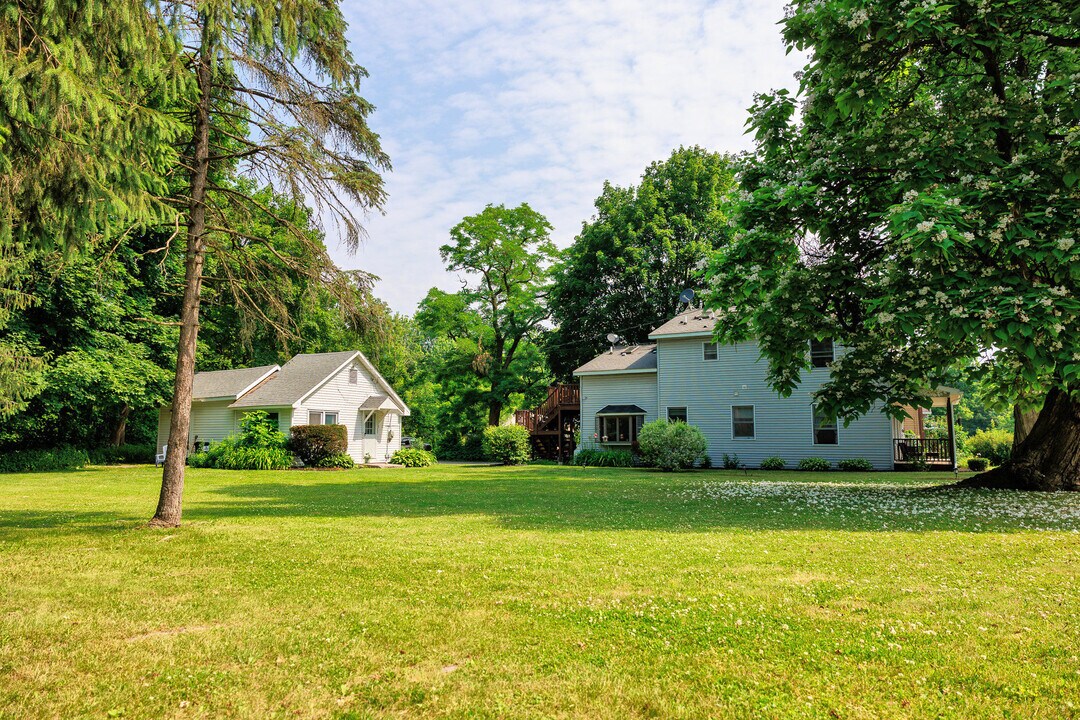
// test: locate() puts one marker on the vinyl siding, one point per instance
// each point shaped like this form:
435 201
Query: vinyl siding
340 396
624 389
783 426
211 421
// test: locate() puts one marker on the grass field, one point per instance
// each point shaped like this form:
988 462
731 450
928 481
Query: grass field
536 592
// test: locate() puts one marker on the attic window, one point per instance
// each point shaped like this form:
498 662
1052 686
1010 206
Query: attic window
354 376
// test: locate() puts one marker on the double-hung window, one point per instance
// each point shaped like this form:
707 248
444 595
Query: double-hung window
708 351
821 353
826 431
742 422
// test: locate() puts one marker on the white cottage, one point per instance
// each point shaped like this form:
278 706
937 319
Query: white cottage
341 388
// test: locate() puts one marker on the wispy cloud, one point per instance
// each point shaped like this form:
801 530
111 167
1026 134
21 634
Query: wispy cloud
499 102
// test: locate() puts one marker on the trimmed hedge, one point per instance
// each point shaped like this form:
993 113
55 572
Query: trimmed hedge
313 444
814 464
65 458
413 457
507 444
855 465
587 457
671 446
978 464
774 462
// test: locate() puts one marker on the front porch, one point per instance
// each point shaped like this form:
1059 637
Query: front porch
916 445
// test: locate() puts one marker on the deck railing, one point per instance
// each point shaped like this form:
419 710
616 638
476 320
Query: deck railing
929 450
558 396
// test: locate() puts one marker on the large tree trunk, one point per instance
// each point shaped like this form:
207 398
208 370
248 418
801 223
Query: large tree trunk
1023 422
172 481
1049 457
495 412
120 431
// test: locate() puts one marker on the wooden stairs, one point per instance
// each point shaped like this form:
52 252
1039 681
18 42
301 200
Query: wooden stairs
553 423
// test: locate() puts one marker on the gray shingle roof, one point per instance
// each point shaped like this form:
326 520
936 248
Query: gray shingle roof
691 321
634 357
226 383
295 379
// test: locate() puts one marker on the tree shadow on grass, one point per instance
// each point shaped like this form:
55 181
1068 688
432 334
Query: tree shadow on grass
20 523
568 500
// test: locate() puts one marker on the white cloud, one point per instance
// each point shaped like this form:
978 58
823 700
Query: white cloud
509 102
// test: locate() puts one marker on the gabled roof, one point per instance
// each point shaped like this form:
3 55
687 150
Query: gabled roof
634 358
691 322
228 384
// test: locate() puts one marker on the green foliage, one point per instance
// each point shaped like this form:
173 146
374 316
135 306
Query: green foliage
995 445
774 462
259 446
920 208
342 461
130 454
626 267
855 465
978 464
814 464
314 443
413 457
731 462
507 444
588 457
671 446
65 458
463 447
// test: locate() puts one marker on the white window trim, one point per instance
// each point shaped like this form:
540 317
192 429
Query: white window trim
705 344
374 424
684 408
731 414
322 416
813 430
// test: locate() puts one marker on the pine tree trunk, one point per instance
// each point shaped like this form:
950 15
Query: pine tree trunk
1049 457
172 482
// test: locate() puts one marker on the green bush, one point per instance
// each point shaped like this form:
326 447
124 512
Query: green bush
706 462
994 444
468 447
129 454
814 464
977 464
587 457
774 462
671 445
507 444
259 446
200 460
315 443
731 462
343 461
413 457
65 458
855 465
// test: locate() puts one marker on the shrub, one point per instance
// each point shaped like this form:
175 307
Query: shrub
259 446
706 462
342 460
994 444
855 465
978 464
731 462
467 447
315 443
671 446
199 460
507 444
413 457
774 462
64 458
603 458
814 464
128 454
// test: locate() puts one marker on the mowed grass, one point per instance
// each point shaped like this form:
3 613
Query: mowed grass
536 592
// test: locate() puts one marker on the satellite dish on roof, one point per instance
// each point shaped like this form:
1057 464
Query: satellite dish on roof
612 338
686 295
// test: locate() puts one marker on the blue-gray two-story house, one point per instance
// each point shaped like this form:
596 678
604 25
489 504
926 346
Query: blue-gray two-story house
683 374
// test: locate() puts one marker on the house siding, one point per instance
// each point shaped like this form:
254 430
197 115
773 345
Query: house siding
340 396
622 389
211 421
783 426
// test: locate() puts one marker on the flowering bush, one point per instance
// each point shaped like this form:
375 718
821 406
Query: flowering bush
671 446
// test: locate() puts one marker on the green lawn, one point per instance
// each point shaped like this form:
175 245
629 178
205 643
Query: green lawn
536 592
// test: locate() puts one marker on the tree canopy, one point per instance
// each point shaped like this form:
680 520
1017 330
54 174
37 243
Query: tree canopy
918 203
625 270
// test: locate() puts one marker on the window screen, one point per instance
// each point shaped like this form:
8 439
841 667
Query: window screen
742 421
708 351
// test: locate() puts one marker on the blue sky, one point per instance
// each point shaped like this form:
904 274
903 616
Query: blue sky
540 102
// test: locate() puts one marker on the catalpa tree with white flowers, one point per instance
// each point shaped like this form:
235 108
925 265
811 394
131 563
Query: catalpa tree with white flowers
917 201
